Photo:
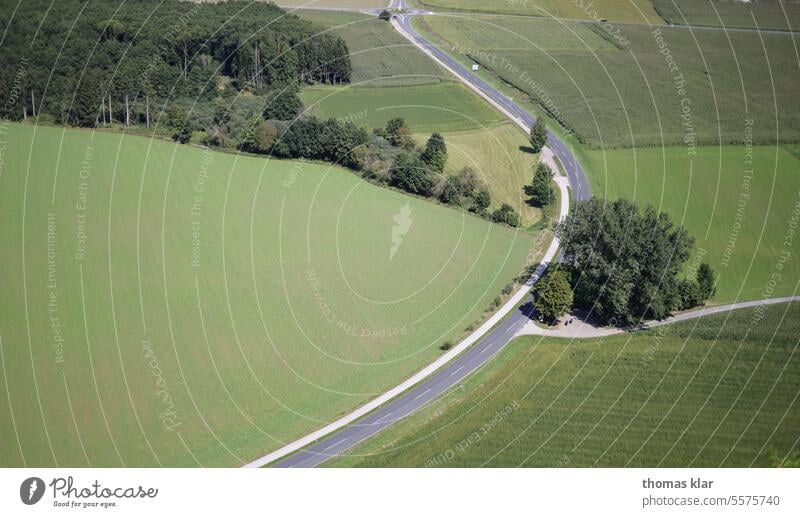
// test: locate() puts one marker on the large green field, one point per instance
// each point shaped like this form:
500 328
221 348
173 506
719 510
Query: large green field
446 106
623 93
640 11
718 391
379 54
739 206
763 14
168 305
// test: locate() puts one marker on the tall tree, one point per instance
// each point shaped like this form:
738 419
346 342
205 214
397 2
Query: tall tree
706 282
541 188
435 153
553 295
538 135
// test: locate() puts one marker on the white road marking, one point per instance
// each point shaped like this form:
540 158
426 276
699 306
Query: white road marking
387 415
423 393
334 445
456 371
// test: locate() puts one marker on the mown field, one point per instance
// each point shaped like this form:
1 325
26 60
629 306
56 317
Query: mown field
447 106
168 305
764 14
500 156
640 11
738 205
622 93
379 55
718 391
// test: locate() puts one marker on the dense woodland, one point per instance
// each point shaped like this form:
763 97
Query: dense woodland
92 63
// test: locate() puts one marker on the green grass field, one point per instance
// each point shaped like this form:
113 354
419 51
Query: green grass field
168 305
442 107
640 11
379 55
718 391
615 94
739 213
764 14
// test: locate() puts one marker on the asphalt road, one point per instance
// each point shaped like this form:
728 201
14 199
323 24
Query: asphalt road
473 358
446 378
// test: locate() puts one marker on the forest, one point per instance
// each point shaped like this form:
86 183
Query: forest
95 63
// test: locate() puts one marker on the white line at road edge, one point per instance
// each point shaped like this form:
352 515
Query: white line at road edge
463 345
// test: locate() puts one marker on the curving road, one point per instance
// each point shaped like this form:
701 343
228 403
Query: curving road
450 369
453 372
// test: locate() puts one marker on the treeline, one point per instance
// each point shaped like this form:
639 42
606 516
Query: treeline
94 63
386 156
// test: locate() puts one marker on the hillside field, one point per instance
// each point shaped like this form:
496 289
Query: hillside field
446 106
718 391
500 156
170 305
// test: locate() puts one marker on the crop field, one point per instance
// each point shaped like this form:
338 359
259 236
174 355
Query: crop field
380 56
615 92
640 11
717 391
446 106
500 156
741 207
169 305
764 14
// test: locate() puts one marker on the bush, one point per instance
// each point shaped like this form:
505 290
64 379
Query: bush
689 294
385 15
447 345
282 105
506 215
410 174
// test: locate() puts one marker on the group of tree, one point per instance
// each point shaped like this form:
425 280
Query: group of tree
329 140
627 263
101 63
421 172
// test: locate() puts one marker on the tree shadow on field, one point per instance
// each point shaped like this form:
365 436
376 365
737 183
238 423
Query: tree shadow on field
527 149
